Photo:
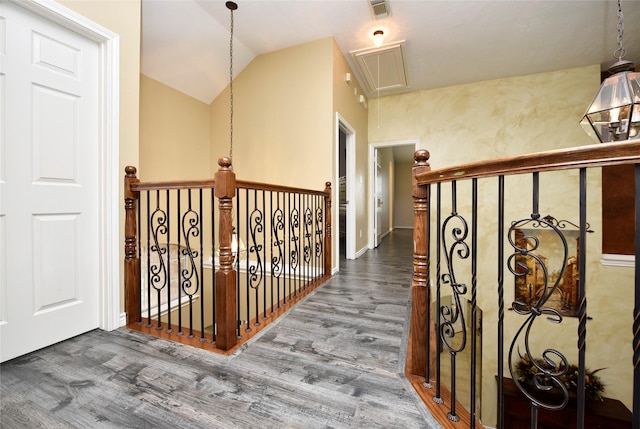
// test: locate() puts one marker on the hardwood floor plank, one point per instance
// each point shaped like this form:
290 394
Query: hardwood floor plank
332 362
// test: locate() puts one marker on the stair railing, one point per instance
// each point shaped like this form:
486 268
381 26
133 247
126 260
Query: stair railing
456 206
212 262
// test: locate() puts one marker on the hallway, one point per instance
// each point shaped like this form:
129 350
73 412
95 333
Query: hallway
332 362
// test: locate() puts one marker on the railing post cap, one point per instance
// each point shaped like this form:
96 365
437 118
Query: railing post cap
130 170
225 163
421 156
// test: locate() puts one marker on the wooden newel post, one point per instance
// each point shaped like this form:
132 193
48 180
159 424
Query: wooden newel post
328 244
420 299
226 318
131 258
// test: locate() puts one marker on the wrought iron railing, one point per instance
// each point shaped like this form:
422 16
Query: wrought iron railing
213 262
481 229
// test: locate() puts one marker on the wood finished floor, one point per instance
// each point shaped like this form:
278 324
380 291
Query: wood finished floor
334 361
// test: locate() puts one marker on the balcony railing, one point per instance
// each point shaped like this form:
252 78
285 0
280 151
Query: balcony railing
212 262
505 261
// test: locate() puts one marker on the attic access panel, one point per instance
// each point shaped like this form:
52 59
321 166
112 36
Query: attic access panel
383 68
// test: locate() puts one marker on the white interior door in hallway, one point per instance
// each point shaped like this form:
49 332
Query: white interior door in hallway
49 209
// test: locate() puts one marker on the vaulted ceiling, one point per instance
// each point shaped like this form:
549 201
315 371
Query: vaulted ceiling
185 43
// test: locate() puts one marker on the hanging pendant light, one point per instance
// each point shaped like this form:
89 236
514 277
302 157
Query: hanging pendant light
614 113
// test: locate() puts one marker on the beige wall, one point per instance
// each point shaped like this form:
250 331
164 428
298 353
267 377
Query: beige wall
282 130
384 196
515 116
121 17
346 103
403 202
174 134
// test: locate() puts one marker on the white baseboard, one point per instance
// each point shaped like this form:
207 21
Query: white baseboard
361 252
123 319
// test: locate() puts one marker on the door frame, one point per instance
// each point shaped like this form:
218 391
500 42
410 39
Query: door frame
350 146
373 153
108 276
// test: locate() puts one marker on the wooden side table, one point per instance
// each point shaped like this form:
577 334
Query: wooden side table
605 414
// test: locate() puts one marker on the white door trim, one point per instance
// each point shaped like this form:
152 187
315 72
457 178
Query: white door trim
108 147
373 148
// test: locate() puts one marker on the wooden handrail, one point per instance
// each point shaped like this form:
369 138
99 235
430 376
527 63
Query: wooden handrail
244 184
210 183
561 159
173 184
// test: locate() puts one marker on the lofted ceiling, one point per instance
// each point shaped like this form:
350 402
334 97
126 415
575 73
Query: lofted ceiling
185 43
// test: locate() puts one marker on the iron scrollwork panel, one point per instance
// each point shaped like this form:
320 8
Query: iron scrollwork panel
189 276
456 248
547 370
158 275
319 232
256 230
277 243
294 252
454 233
308 225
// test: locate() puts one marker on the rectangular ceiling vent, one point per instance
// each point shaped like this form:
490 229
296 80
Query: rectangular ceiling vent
380 8
383 69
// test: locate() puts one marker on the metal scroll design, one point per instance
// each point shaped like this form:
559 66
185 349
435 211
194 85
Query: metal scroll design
256 230
319 232
559 223
189 277
552 364
457 248
308 224
158 275
277 243
294 246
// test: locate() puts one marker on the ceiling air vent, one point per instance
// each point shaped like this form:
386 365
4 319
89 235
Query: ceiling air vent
380 8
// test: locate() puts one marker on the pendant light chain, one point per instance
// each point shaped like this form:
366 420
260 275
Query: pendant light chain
621 52
231 6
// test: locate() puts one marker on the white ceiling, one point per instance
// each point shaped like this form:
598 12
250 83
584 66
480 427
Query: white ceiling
185 43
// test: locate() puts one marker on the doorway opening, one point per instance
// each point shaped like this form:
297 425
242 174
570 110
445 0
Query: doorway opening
345 172
390 203
342 192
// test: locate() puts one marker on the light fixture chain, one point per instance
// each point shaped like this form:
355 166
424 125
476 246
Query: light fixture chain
231 89
621 52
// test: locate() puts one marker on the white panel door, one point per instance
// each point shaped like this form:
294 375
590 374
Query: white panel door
49 253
